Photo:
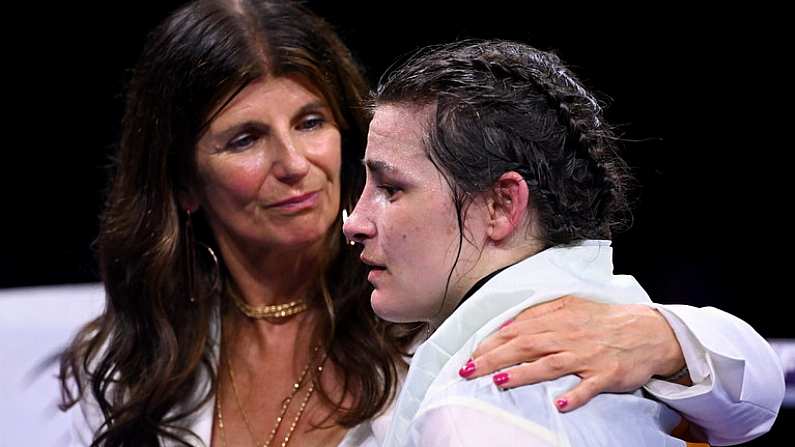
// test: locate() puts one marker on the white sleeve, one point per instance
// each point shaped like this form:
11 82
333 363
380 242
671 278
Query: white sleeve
477 425
738 382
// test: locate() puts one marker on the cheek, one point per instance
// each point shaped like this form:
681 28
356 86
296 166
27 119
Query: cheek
428 245
410 239
420 271
325 152
240 178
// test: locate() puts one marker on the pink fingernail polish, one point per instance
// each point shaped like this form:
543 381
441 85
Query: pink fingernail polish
468 369
561 403
500 378
506 324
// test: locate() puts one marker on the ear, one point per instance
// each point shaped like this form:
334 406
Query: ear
187 200
507 206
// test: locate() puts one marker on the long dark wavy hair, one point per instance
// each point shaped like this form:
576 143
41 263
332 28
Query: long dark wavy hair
146 359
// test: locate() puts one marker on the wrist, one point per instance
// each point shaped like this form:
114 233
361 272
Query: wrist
676 376
671 361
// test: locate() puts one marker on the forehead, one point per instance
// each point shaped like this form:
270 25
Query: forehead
397 132
267 94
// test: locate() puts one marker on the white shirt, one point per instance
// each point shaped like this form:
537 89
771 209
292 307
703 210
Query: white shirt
738 382
437 407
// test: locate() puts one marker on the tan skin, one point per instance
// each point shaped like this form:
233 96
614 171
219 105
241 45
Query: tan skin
268 170
257 353
277 141
613 347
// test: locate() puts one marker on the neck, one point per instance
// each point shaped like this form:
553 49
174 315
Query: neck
493 257
274 275
283 338
268 353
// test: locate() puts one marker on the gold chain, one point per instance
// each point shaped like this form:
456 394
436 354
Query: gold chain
272 311
285 404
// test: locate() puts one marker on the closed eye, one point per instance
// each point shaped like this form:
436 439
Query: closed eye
390 191
242 141
245 136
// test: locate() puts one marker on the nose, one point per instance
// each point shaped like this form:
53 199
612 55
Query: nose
290 163
359 227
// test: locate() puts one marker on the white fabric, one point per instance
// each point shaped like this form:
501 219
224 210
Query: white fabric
35 325
740 403
435 399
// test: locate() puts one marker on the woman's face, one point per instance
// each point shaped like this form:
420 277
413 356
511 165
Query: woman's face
406 221
269 167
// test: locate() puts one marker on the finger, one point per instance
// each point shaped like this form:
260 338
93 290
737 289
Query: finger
518 350
580 394
513 329
503 335
547 368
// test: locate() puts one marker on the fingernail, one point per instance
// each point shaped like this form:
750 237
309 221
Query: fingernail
500 378
561 403
506 324
468 369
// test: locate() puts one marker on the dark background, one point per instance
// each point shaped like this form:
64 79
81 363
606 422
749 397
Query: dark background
701 95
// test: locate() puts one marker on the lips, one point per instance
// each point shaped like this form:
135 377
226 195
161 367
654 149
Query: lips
297 202
376 269
370 262
374 274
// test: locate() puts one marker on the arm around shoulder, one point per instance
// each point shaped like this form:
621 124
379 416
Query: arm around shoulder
738 382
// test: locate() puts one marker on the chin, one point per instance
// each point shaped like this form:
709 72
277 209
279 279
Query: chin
304 236
385 307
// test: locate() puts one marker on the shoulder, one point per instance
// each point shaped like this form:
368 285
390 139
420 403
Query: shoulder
479 410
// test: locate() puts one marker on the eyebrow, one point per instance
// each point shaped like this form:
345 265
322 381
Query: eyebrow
313 106
378 167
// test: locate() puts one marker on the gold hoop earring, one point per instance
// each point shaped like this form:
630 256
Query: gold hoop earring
190 255
216 283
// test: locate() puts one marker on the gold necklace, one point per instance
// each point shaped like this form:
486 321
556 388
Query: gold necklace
268 311
285 404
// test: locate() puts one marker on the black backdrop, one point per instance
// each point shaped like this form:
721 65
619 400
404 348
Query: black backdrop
703 91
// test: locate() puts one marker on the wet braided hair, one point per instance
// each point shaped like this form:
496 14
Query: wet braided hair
505 106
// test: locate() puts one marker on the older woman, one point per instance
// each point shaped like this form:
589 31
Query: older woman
230 294
236 314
